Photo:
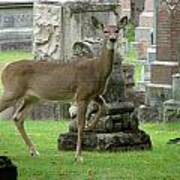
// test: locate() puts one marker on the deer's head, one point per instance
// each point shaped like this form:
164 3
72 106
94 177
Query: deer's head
111 32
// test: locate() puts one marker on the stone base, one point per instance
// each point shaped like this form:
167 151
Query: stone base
137 140
171 111
156 94
149 114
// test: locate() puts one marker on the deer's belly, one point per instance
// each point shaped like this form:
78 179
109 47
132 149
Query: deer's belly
63 96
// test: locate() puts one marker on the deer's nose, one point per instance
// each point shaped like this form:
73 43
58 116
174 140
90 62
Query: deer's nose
112 39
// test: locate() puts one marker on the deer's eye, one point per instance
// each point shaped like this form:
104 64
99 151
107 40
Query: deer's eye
117 31
105 32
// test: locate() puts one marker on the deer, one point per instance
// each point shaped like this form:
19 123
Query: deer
27 82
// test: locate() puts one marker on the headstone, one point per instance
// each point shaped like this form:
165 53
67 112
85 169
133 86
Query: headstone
16 21
137 7
172 106
168 31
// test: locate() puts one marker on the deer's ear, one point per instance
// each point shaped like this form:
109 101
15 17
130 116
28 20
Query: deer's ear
123 22
96 23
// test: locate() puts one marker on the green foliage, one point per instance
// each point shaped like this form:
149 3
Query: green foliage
162 163
132 58
130 33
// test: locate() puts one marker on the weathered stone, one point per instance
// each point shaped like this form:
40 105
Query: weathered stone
111 123
120 108
8 171
48 36
16 21
171 108
167 31
149 113
176 87
151 54
171 111
162 71
146 19
106 141
156 94
137 7
139 97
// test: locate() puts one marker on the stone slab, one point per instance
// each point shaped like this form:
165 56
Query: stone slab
16 21
176 87
146 19
156 94
120 141
149 114
151 54
171 111
161 72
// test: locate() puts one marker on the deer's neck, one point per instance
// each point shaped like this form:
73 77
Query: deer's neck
106 60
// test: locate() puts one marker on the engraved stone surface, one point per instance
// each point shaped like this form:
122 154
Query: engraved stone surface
16 21
48 32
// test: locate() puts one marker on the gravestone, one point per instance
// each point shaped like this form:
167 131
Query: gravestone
137 7
166 64
144 38
16 21
171 107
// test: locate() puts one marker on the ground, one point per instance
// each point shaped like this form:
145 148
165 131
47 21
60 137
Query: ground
162 162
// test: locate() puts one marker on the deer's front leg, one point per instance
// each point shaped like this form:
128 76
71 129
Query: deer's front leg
82 108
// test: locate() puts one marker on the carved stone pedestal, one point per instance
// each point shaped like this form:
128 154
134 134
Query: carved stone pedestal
116 130
107 141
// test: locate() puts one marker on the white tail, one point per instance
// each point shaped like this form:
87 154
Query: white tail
81 81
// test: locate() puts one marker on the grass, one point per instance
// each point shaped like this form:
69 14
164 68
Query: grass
162 163
9 56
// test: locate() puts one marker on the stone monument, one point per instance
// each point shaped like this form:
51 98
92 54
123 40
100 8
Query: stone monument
118 128
167 40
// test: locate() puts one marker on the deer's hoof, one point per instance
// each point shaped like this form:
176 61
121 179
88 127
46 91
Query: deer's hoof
79 159
33 152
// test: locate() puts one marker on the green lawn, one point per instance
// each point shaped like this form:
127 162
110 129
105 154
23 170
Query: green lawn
9 56
161 163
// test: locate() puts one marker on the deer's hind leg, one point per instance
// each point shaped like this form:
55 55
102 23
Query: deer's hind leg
19 117
7 100
99 102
